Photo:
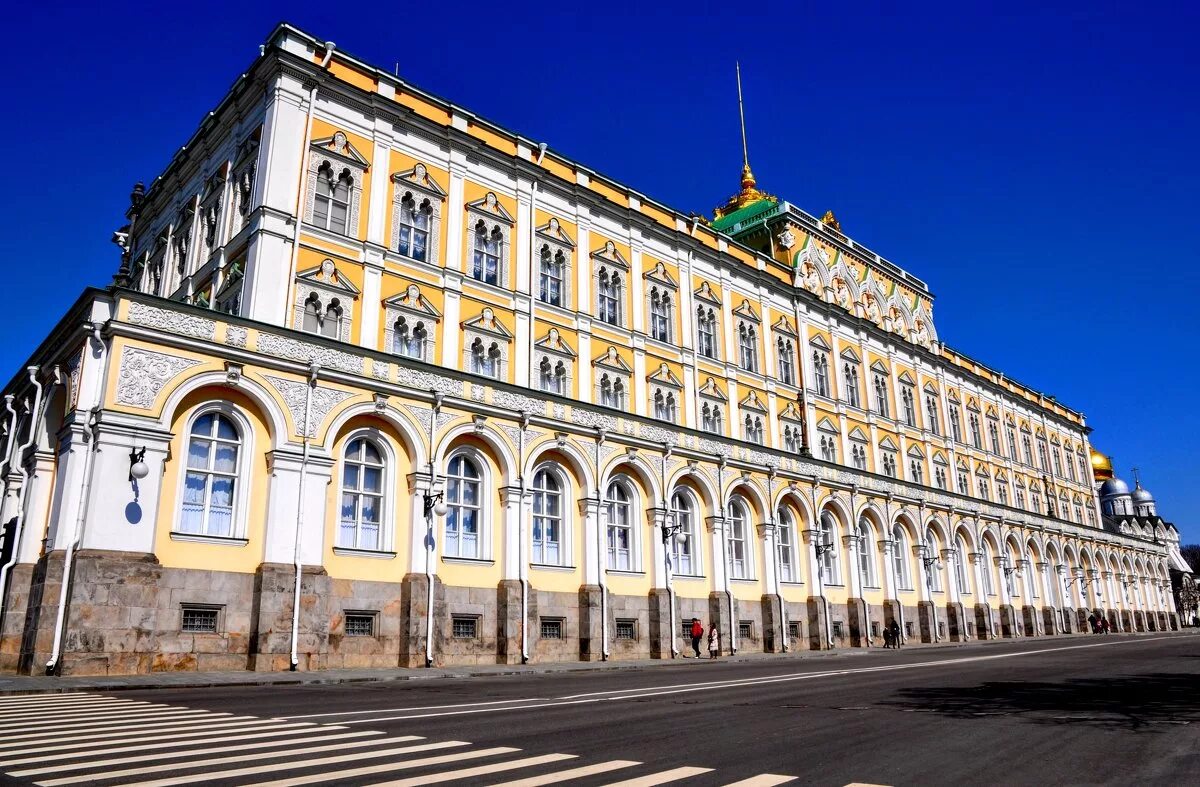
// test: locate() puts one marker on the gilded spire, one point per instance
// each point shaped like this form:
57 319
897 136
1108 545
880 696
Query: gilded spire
749 192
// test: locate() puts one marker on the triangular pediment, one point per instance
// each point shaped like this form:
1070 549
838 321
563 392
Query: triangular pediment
661 275
848 354
489 205
973 405
991 412
554 232
887 443
711 390
705 293
419 178
931 388
1018 481
746 312
825 425
952 395
1001 477
609 254
981 470
877 366
819 342
412 301
553 342
664 376
783 326
328 276
752 402
487 322
906 378
858 435
339 146
940 459
611 359
915 452
961 465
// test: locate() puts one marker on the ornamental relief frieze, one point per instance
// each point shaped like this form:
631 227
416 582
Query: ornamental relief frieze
172 321
144 373
292 349
322 402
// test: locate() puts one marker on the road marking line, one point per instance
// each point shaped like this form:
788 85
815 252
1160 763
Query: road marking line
551 704
80 749
83 731
367 770
32 711
143 721
83 766
404 710
662 777
574 773
294 764
40 699
480 770
211 761
763 780
97 721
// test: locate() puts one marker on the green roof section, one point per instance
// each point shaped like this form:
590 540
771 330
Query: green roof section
742 214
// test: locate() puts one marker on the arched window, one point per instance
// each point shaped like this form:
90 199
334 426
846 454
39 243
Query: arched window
463 502
486 267
409 341
660 315
973 425
553 376
988 588
858 453
961 556
994 436
850 380
313 314
547 518
362 495
900 557
608 297
791 439
323 320
881 395
916 470
612 391
331 203
820 373
664 405
939 477
933 576
485 360
739 560
754 428
786 538
931 413
747 347
889 464
866 551
828 446
620 526
706 332
906 399
210 485
414 228
787 363
684 552
551 276
829 563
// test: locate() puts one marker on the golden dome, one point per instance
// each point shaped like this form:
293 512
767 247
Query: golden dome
1102 468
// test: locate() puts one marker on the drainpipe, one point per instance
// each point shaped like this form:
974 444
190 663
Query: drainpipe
313 370
523 564
84 502
725 554
601 533
775 549
11 435
430 514
19 520
668 545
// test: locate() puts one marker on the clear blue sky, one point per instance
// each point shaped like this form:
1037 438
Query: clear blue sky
1036 166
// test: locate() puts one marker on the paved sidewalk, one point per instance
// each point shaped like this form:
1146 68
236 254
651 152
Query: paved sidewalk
43 684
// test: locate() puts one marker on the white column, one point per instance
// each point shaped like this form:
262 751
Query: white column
381 181
451 351
283 507
589 509
511 524
766 532
121 516
371 304
656 553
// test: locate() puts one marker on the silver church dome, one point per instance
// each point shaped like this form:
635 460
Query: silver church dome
1114 486
1141 494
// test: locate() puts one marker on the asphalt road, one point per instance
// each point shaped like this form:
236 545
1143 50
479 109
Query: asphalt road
1103 710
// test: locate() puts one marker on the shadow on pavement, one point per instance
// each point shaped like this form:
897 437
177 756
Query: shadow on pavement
1144 703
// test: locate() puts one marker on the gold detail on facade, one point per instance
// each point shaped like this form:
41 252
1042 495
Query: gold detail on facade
829 220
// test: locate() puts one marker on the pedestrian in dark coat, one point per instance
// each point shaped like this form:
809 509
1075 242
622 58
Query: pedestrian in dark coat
697 635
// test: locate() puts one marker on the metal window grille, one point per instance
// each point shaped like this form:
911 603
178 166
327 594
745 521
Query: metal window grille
552 629
908 629
627 629
793 631
360 625
837 629
464 627
745 629
874 628
685 628
201 620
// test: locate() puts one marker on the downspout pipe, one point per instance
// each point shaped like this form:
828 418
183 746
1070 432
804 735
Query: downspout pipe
60 622
313 371
19 520
601 571
430 543
724 513
783 621
523 565
11 434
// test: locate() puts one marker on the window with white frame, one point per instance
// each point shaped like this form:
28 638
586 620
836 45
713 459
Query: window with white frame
889 464
931 412
711 419
955 423
548 546
552 376
1027 449
984 489
1020 498
786 545
906 401
820 361
964 485
212 480
619 510
1070 466
747 347
753 428
464 503
685 551
933 576
416 220
881 394
706 331
939 477
828 447
994 435
916 470
960 565
660 314
331 200
1012 443
900 557
323 319
828 538
973 425
1002 492
612 391
488 246
786 356
665 408
409 338
609 294
989 589
552 274
362 496
1043 462
791 438
486 358
850 382
858 454
866 559
1083 473
738 523
1056 455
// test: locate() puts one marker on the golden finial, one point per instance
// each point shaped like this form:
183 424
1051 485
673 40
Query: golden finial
830 220
749 192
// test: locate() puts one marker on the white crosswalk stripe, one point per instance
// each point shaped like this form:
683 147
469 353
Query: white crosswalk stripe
76 739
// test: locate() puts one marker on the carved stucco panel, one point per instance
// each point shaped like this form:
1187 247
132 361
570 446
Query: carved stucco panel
235 336
144 373
428 381
323 401
172 321
284 347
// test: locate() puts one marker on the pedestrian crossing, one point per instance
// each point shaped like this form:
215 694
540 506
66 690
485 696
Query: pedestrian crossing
83 739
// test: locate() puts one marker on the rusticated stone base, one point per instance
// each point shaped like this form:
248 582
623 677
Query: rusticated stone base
926 613
719 614
1068 620
1029 616
1050 621
16 608
956 622
1008 621
983 622
857 622
509 626
1126 621
818 624
661 633
591 626
1173 621
772 624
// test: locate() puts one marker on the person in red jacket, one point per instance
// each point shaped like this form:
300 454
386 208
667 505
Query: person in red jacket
697 635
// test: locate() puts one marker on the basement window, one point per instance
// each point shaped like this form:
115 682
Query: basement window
745 629
793 631
552 628
627 629
201 619
464 627
360 624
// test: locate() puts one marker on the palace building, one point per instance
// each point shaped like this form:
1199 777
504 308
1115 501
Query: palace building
381 383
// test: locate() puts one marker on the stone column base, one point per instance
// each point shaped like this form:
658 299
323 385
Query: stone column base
1081 616
508 622
662 634
1126 621
1050 622
774 637
1029 615
818 624
718 613
1111 616
1173 620
591 627
18 601
1069 621
1139 620
414 619
983 622
925 619
956 622
856 621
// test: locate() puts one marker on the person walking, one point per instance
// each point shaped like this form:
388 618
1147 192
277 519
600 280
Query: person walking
714 642
895 635
697 634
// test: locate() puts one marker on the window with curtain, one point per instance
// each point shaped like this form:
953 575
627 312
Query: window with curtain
362 496
331 203
608 296
747 347
211 481
660 315
552 274
787 364
463 502
785 538
739 567
881 395
850 380
414 228
620 527
547 518
820 373
682 551
486 261
706 332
